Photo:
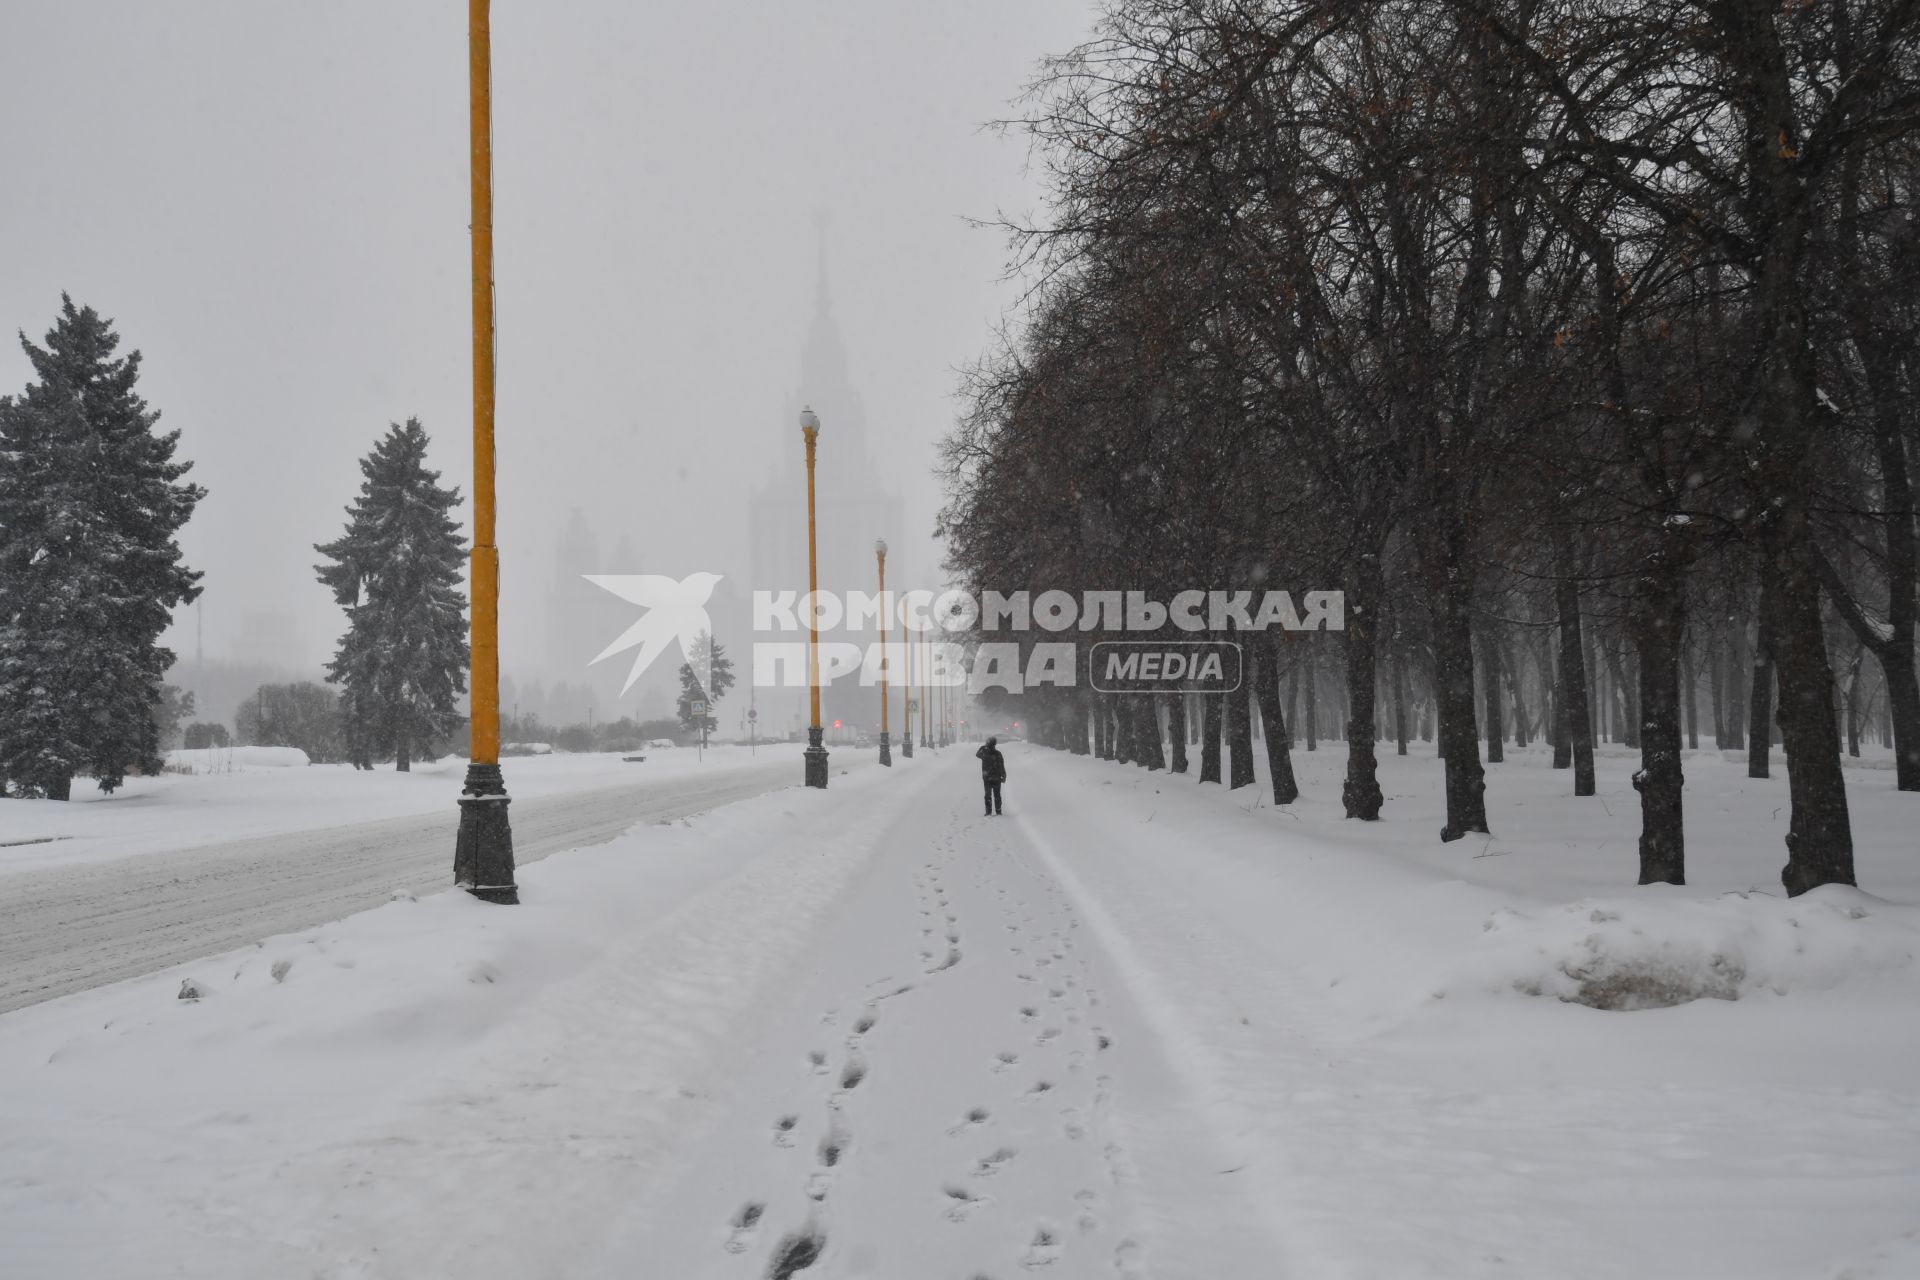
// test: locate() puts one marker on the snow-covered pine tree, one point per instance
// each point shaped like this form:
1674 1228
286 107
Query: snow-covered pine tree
402 663
706 679
90 572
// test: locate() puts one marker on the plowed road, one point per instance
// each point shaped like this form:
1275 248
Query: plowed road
72 928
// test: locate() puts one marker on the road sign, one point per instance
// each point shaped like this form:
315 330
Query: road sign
753 715
699 708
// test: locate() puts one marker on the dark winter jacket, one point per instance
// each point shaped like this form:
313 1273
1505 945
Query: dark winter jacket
993 768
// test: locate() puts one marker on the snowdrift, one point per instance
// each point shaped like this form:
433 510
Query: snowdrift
1663 950
227 759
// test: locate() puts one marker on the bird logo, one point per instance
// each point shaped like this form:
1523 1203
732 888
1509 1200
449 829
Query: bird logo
675 610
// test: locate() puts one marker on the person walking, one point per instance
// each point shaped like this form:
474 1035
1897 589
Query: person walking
993 772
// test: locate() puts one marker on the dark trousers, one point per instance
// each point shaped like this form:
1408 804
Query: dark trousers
993 797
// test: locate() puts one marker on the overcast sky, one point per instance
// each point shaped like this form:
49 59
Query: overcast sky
271 200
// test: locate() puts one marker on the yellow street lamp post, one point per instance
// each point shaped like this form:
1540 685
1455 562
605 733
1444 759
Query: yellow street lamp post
926 690
816 753
483 850
880 554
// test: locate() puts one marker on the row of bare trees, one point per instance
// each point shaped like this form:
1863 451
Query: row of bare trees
1573 339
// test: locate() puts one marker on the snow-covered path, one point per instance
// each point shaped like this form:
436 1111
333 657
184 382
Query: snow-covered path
962 1085
68 928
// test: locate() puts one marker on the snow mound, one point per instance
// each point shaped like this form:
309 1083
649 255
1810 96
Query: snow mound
1664 949
226 759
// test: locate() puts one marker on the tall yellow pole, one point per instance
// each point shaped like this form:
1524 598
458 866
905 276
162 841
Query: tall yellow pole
483 851
816 753
886 625
485 726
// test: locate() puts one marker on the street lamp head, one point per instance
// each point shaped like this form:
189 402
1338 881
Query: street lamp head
809 421
880 547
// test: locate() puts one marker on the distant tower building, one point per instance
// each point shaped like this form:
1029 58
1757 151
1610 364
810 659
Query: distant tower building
855 507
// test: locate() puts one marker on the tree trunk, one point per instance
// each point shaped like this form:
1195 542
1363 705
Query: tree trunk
1490 677
1361 792
1210 713
1573 679
1853 702
1659 620
1620 709
1517 695
1760 706
1717 692
1739 667
1903 710
1266 689
1690 698
1562 738
1453 695
1239 713
1400 701
1819 832
1177 730
402 761
1146 738
1601 704
1308 681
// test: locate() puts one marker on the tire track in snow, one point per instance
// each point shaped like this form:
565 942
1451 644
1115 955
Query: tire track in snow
71 928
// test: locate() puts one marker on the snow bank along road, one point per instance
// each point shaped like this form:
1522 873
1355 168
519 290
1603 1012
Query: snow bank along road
70 928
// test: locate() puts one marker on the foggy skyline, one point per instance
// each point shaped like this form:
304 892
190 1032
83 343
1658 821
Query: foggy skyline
270 201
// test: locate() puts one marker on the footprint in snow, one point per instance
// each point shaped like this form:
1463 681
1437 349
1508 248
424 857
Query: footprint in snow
796 1252
973 1119
744 1223
833 1145
1044 1248
962 1203
988 1165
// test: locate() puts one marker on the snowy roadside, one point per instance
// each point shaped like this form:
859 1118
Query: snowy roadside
184 811
1374 1015
435 1087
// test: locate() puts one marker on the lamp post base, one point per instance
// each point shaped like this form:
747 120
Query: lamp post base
886 750
483 851
816 759
906 747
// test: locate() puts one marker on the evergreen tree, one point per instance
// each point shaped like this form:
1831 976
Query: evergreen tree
90 572
172 708
706 679
402 663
